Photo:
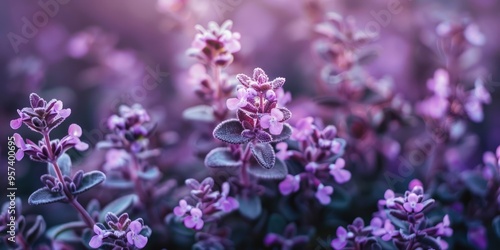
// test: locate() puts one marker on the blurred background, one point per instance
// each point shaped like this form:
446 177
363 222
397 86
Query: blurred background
95 55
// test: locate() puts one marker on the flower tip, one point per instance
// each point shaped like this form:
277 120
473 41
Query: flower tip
16 123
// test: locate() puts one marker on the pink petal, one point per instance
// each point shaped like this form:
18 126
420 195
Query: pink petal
18 140
96 241
75 130
277 114
19 154
338 244
418 207
130 238
276 128
341 175
189 222
97 230
179 211
265 121
341 233
81 146
407 207
199 224
135 227
16 123
232 103
64 113
140 241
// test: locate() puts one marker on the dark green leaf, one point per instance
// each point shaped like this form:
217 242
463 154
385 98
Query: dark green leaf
264 154
278 172
250 206
221 158
36 230
475 183
45 196
90 180
496 225
202 113
230 131
119 205
57 232
150 174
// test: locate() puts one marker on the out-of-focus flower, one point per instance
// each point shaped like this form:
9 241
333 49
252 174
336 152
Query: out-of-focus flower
338 172
96 240
240 101
303 129
385 229
477 235
341 241
194 220
226 203
290 184
182 209
323 194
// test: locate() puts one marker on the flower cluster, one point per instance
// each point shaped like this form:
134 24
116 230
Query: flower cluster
216 44
289 239
130 129
42 117
257 106
402 220
448 101
121 233
319 151
207 205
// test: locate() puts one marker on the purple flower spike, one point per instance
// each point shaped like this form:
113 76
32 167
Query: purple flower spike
303 129
290 184
182 209
96 240
323 194
384 229
413 205
134 237
338 172
195 219
273 121
240 101
341 241
17 123
444 227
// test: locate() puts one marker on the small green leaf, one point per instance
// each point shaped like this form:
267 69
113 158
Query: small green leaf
250 206
45 196
264 154
278 172
475 183
64 163
90 180
36 230
56 233
119 205
496 226
203 113
221 158
230 131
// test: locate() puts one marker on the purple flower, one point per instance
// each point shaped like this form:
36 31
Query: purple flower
477 236
387 230
116 158
412 204
75 132
444 227
182 209
303 129
338 172
96 240
440 83
240 101
19 141
273 121
323 194
341 241
388 199
225 203
434 107
194 220
282 153
134 237
290 184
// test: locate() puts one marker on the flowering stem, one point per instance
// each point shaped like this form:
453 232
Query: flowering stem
219 104
143 194
244 160
71 199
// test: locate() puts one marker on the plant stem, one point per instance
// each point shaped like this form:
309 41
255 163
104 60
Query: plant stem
23 242
244 160
71 199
